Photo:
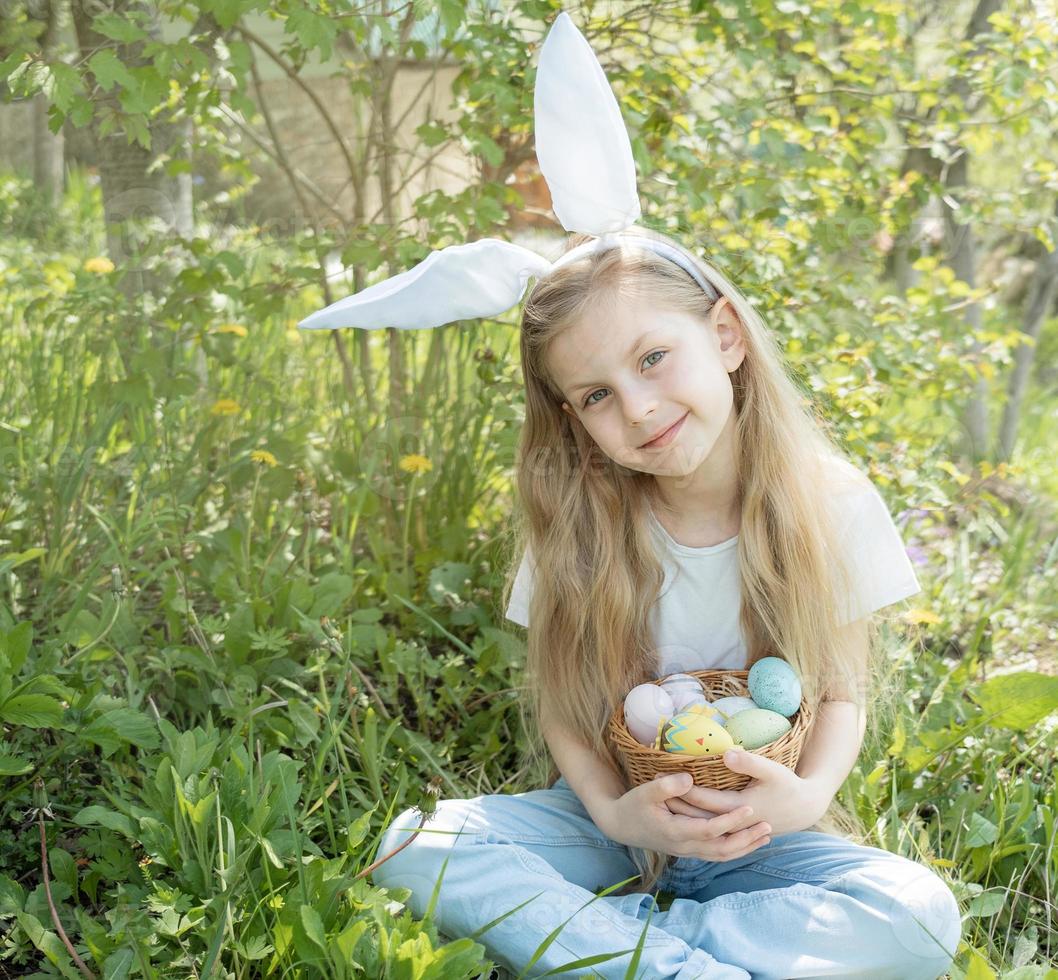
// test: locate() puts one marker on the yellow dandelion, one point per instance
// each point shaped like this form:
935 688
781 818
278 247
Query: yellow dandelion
415 463
921 616
99 265
264 456
225 406
236 328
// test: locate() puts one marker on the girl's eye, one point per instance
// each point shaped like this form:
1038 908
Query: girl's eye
588 402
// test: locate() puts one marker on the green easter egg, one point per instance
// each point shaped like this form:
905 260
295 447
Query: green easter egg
757 727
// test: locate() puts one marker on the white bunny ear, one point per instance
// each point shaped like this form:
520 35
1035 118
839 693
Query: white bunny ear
460 282
581 140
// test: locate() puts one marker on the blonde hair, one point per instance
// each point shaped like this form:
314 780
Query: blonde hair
585 520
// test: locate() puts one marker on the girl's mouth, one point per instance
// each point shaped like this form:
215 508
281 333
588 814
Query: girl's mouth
667 436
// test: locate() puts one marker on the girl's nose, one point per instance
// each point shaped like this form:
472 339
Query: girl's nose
641 412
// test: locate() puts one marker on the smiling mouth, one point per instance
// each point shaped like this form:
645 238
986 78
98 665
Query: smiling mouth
662 436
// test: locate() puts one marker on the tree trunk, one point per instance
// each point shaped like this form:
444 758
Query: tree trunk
48 147
1041 296
962 256
136 203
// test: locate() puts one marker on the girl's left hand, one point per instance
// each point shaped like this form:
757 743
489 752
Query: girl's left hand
781 798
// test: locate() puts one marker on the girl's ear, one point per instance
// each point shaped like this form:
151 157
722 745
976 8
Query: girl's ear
730 333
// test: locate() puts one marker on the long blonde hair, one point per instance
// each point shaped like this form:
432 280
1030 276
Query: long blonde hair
585 519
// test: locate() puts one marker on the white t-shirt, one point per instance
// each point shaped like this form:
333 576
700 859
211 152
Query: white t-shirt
695 620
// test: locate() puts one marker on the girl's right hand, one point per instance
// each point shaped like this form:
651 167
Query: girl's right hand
641 818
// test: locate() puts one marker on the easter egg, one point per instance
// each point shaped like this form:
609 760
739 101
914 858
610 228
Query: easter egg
695 733
704 708
683 699
730 706
774 685
757 727
682 686
646 705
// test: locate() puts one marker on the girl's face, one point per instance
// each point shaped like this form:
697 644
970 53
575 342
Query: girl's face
629 374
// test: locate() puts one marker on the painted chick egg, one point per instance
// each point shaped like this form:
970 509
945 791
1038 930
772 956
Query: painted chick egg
646 706
728 707
774 685
704 708
757 727
695 732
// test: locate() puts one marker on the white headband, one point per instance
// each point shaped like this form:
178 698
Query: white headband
585 157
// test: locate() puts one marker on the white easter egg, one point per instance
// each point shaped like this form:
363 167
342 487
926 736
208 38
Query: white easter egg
682 684
645 706
684 699
731 706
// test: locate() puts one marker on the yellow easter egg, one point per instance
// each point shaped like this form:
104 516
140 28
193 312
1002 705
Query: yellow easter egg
705 709
695 733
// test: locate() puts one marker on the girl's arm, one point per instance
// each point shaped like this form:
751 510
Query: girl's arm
589 775
832 748
834 742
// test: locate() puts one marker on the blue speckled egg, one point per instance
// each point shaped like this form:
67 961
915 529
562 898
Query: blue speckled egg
774 685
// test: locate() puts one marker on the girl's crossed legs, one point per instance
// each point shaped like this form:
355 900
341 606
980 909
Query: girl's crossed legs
804 905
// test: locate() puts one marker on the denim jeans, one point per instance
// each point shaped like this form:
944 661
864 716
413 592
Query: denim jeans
807 904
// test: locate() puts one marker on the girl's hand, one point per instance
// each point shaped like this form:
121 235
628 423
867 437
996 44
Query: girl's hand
778 796
641 818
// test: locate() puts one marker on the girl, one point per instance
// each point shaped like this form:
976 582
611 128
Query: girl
679 509
666 452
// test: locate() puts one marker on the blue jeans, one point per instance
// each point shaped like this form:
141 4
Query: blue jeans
806 904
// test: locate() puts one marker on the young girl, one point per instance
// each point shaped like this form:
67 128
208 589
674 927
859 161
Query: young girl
680 509
666 452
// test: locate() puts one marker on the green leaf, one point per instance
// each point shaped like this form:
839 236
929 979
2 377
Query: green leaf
146 90
358 830
109 71
987 903
12 896
136 128
62 868
432 133
67 85
313 926
314 32
97 816
488 148
452 12
13 559
117 964
119 726
270 851
226 12
1017 701
15 643
48 943
11 765
450 583
32 711
982 832
330 594
118 28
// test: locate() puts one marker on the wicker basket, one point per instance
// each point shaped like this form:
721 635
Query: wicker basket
641 762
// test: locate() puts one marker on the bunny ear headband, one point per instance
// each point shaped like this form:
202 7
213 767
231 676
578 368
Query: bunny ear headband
585 157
